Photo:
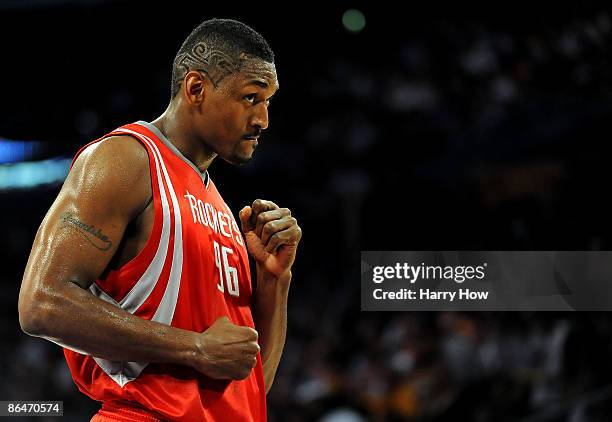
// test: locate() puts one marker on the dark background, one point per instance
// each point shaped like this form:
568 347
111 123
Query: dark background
435 128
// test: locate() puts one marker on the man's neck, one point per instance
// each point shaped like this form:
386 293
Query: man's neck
179 133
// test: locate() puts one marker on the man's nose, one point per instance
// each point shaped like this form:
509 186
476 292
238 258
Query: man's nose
260 117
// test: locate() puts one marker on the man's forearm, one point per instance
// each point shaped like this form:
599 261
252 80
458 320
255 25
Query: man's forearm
271 320
74 318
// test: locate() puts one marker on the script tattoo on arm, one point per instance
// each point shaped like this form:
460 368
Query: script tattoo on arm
94 236
216 64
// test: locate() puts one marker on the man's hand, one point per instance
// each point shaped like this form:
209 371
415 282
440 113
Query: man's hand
272 236
228 351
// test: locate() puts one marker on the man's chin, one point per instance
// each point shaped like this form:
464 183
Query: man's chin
239 159
242 153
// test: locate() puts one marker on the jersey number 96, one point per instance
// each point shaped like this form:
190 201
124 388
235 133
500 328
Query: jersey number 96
228 275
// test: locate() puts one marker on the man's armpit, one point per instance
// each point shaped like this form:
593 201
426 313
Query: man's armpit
93 235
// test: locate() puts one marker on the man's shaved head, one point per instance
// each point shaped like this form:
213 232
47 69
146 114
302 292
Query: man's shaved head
218 47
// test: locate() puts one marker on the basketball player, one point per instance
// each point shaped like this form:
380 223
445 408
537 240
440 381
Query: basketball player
140 270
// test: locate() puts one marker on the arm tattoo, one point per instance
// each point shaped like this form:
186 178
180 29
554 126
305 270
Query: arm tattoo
93 235
216 64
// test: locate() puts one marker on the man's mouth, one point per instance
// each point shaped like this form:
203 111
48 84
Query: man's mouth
252 136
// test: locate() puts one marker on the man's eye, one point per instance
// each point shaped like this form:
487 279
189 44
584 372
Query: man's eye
250 98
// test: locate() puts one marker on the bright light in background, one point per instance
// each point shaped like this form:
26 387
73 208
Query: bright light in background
19 171
353 20
33 173
16 151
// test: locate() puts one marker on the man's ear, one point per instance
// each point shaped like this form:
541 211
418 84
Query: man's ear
195 86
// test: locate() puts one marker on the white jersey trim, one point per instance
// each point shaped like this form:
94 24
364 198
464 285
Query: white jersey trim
124 372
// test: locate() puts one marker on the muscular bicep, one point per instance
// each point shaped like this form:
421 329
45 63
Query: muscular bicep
107 186
76 240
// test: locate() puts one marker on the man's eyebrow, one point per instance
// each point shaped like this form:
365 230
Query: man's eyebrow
259 82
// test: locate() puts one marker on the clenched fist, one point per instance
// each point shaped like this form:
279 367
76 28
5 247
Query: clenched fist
227 351
272 235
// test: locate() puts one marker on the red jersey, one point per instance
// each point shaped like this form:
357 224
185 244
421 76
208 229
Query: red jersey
193 269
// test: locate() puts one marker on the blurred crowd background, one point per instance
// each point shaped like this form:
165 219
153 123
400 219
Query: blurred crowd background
425 127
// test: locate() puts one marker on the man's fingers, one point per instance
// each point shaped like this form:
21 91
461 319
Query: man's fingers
273 243
290 236
252 334
275 226
267 216
251 348
261 205
245 219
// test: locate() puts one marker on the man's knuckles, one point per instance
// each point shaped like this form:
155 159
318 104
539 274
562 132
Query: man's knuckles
252 334
260 205
298 232
262 219
270 227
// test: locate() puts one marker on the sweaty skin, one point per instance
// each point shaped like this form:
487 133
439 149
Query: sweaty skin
103 216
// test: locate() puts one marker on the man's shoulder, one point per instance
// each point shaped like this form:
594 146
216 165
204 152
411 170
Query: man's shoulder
120 155
115 147
116 168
